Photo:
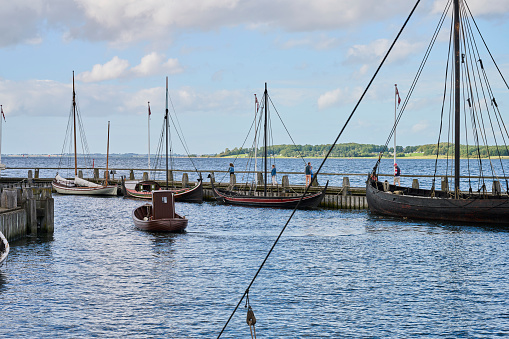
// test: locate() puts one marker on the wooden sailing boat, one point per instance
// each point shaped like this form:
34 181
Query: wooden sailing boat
310 200
80 186
478 206
160 216
144 189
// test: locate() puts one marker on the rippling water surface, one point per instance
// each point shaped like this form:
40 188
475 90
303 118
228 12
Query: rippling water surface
333 274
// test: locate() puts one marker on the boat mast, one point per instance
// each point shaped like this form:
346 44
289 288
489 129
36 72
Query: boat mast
256 139
456 98
74 120
395 118
149 135
166 123
107 155
265 141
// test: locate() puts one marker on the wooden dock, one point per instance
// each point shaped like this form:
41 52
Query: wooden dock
344 197
25 209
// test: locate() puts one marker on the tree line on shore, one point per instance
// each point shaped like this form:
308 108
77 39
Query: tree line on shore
350 150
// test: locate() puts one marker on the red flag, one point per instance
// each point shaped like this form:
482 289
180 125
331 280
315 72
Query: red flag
149 108
2 109
397 93
256 103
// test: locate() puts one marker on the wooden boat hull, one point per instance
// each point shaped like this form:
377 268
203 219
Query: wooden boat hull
4 249
193 194
233 198
79 190
418 204
174 225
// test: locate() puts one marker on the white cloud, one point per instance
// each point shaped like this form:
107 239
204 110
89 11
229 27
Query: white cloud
330 98
376 50
116 68
155 63
479 7
421 126
113 69
339 96
129 21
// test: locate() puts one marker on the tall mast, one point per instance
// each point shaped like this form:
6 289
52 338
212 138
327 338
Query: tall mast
149 135
108 154
456 98
265 141
256 137
395 118
74 120
166 123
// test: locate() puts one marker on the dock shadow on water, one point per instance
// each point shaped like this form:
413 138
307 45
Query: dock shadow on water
333 274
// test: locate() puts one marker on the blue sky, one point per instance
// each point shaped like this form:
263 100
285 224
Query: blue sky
316 56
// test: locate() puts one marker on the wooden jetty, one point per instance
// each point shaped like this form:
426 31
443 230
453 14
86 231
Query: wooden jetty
343 197
337 197
25 209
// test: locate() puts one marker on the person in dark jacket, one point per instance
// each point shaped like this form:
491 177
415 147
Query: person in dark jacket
273 175
308 174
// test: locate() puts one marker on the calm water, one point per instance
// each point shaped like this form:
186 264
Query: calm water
334 274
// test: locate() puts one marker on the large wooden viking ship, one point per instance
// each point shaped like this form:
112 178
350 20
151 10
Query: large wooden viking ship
267 198
473 104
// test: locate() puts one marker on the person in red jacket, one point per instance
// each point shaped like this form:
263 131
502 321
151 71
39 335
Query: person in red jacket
397 173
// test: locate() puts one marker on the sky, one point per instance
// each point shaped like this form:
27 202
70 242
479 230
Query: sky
315 56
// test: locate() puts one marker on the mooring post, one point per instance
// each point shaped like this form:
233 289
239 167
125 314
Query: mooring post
96 173
36 173
233 181
346 186
185 180
9 198
259 178
415 184
314 182
29 174
80 174
445 184
496 190
48 220
145 176
29 204
131 174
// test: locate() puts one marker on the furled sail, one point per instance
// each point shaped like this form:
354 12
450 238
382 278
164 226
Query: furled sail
64 180
83 182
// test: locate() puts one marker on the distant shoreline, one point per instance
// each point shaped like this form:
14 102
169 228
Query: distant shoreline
408 157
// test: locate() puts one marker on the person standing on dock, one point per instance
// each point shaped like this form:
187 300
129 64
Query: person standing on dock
308 174
397 173
273 175
231 169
